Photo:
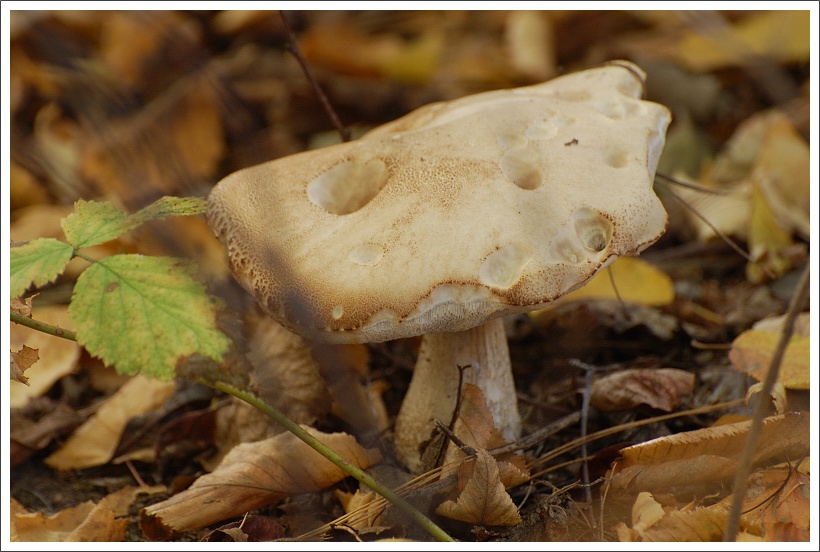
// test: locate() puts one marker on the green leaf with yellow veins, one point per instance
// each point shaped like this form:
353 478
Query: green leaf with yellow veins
169 206
143 314
95 222
38 262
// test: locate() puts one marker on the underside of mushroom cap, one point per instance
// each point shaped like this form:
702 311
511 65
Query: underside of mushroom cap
456 213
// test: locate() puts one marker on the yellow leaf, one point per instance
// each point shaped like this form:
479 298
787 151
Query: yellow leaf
637 282
752 352
767 241
784 36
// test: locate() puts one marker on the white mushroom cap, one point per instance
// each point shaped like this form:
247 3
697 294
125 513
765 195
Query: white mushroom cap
459 212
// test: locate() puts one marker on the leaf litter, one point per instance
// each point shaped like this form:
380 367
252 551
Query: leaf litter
140 126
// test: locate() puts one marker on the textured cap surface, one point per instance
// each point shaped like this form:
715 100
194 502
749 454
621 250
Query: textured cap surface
458 212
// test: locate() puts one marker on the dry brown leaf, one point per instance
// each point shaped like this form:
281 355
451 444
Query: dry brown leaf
483 499
702 459
58 356
661 388
95 441
21 361
776 508
21 306
253 475
476 429
104 522
753 349
285 374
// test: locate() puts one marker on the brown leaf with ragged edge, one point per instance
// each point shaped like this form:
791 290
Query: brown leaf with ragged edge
483 499
21 361
661 388
703 459
253 475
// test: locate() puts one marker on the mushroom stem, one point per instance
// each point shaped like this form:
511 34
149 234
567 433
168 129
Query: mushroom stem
434 386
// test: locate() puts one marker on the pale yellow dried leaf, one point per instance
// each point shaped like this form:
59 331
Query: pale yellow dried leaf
781 172
58 356
646 512
253 475
483 500
752 353
661 388
101 525
698 460
94 442
35 527
767 241
637 281
530 44
782 35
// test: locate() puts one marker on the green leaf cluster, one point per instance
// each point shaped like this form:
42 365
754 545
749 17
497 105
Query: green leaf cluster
136 313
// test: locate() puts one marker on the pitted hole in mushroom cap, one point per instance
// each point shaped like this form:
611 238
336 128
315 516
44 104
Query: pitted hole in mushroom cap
521 166
366 254
338 311
594 230
348 186
616 158
504 266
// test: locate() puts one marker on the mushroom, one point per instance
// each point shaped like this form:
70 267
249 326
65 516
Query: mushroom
445 220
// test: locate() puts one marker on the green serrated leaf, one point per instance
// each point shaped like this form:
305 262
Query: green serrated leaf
38 262
95 222
169 206
142 314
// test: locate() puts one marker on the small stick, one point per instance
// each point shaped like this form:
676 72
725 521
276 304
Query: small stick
744 466
293 48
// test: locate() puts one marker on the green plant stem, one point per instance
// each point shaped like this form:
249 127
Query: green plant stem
428 525
43 327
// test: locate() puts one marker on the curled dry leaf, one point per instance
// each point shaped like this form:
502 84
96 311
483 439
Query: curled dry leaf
483 499
253 475
776 508
21 361
703 459
59 356
661 388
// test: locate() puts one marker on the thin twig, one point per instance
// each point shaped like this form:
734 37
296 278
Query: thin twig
468 450
744 467
721 235
690 185
293 48
539 435
314 443
43 327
